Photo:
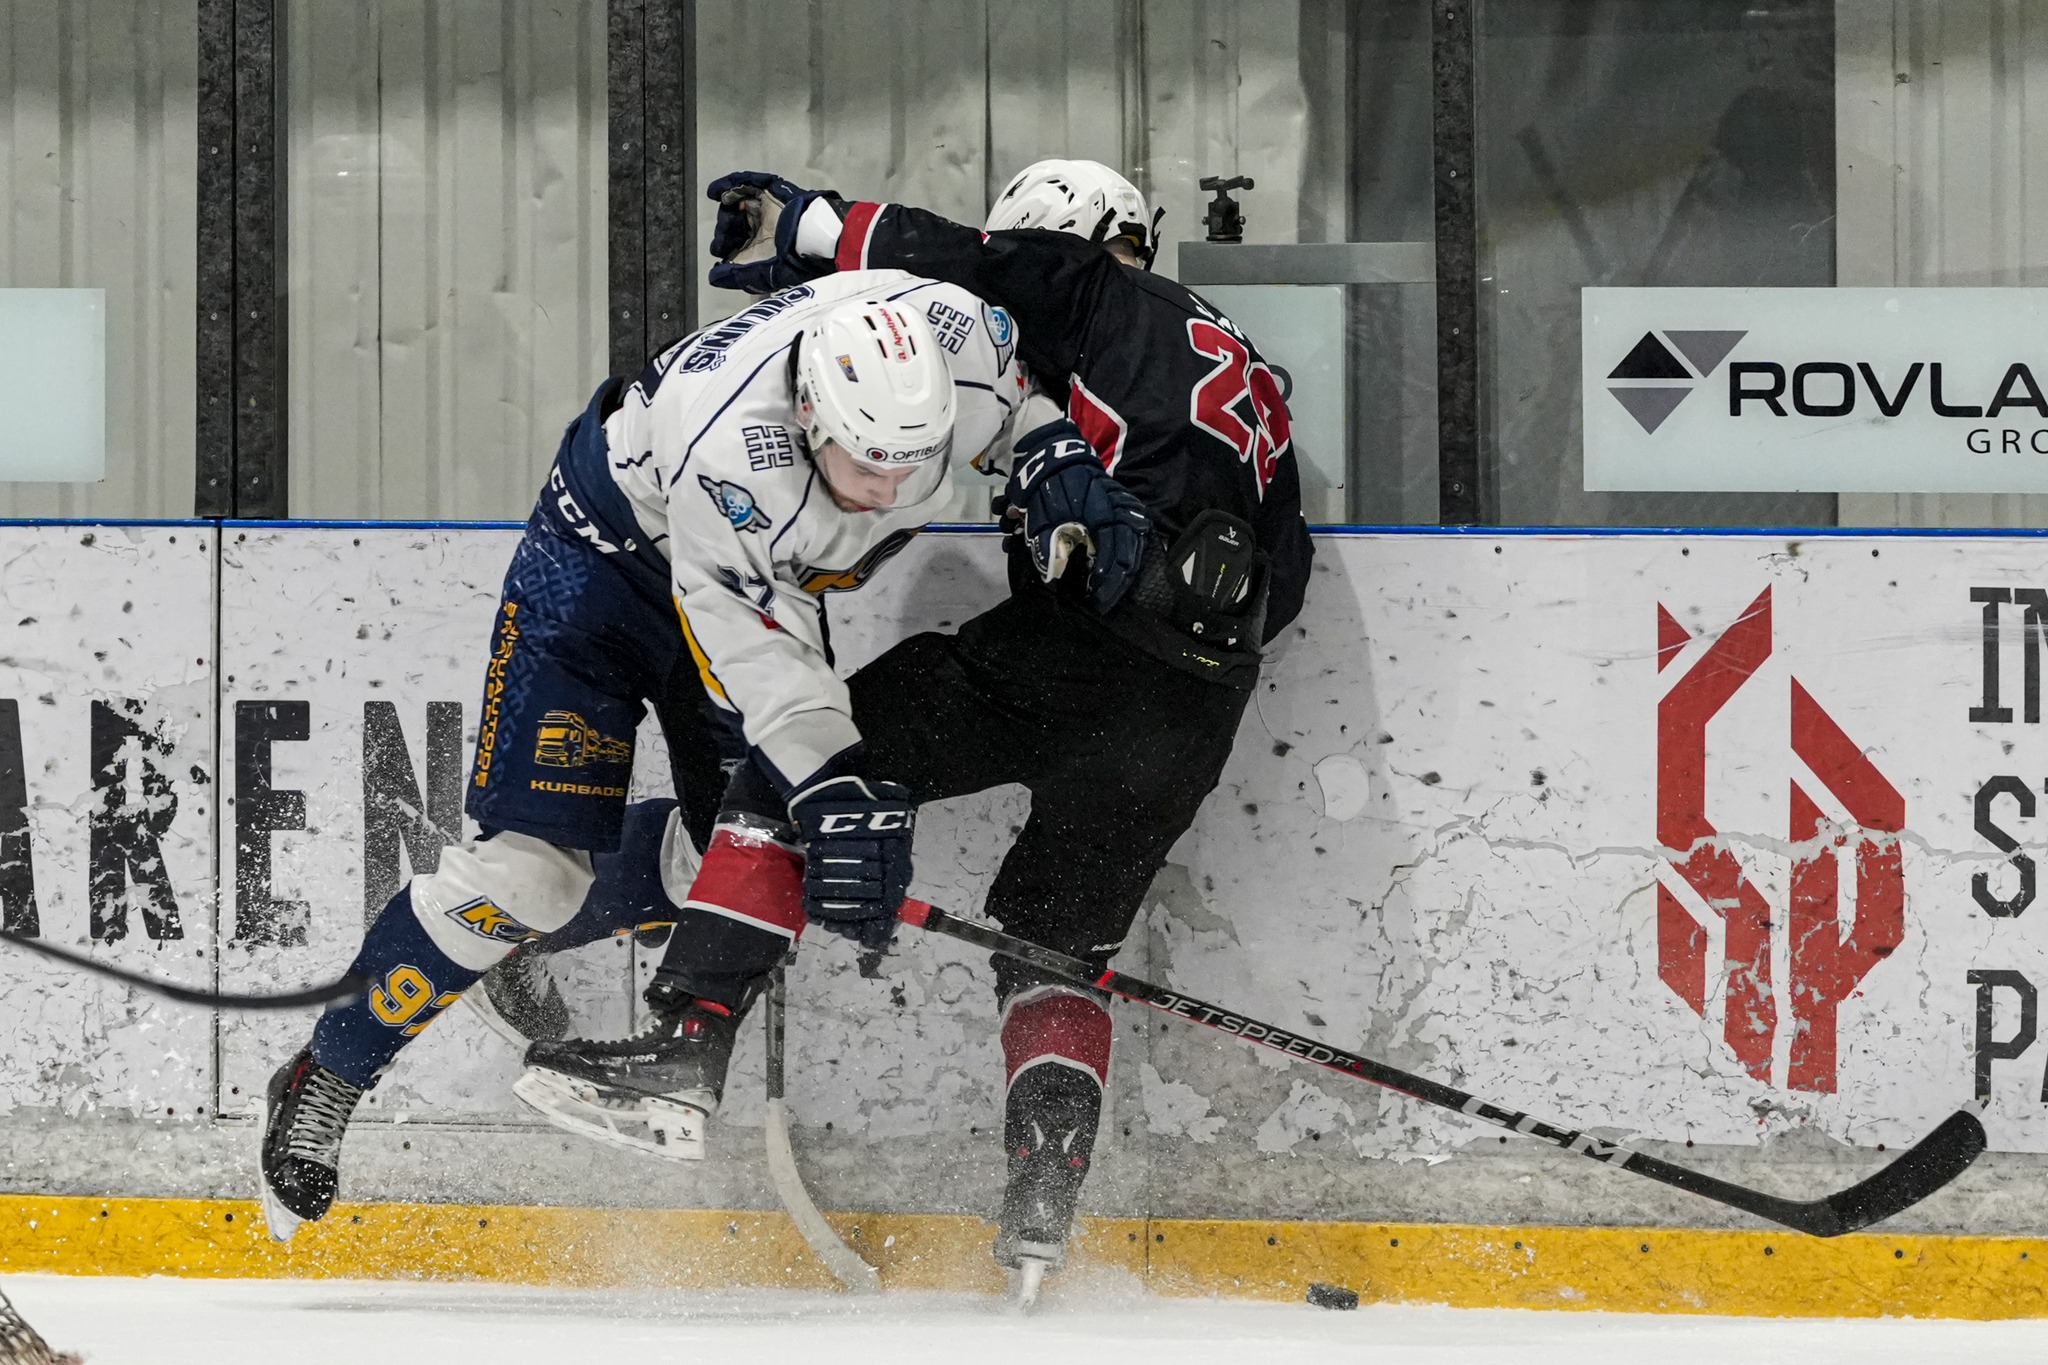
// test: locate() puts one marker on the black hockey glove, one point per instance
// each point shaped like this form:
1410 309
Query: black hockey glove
857 838
1060 489
740 196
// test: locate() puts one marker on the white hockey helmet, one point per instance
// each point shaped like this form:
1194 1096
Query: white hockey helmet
872 379
1085 198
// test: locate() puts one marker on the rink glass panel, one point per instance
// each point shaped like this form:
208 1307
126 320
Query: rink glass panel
1935 149
1638 143
447 246
98 190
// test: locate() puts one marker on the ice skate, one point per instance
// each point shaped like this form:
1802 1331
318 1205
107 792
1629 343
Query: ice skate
652 1092
306 1115
1049 1128
520 1002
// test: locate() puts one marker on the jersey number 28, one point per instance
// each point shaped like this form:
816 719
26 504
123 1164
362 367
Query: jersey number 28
1239 402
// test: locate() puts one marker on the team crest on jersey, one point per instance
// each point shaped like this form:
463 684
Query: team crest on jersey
569 741
951 326
768 448
735 504
486 920
1002 333
846 580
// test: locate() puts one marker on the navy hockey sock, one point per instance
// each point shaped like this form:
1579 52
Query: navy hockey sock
627 893
412 981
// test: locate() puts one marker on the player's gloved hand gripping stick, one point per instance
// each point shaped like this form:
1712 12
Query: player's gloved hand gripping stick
1067 500
857 836
1937 1159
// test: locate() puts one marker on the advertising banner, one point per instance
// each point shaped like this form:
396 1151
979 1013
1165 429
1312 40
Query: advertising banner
107 797
353 664
352 667
1693 838
1816 390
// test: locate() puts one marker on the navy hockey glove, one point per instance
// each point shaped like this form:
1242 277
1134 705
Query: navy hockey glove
739 195
857 837
1063 493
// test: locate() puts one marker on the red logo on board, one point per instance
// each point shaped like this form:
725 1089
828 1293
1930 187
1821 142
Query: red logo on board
1827 963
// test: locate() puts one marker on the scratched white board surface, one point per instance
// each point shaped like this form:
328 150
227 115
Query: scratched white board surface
1491 816
1440 836
319 626
106 813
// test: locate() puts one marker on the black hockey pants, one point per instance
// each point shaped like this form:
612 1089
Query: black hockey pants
1118 751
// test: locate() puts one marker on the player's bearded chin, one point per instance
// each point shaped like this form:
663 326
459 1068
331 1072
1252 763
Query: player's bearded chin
852 486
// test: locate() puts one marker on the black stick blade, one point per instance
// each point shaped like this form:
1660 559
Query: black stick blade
1932 1162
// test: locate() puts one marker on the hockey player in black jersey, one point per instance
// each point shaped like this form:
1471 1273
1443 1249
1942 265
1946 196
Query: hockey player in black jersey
1113 694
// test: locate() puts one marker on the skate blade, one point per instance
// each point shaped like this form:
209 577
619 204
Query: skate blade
1026 1281
669 1127
280 1221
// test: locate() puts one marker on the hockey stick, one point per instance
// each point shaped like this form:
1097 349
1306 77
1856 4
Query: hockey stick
1937 1159
344 988
845 1264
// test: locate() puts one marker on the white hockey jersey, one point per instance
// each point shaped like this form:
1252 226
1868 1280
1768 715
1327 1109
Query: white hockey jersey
706 448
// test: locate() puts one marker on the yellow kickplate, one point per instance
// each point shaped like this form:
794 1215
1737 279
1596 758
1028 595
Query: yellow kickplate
691 1248
1621 1270
1768 1274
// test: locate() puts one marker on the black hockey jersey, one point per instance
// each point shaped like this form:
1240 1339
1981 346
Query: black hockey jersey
1174 398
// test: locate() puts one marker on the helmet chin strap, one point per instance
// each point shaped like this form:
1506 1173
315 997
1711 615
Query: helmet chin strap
1151 248
1144 242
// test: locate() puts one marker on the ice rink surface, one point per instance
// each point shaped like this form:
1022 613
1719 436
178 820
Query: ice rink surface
225 1322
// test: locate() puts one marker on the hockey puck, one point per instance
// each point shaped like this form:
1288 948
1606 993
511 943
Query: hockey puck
1332 1296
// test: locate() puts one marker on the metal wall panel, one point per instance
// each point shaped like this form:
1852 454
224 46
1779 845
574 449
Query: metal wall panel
1942 111
1223 95
98 172
447 231
938 102
878 101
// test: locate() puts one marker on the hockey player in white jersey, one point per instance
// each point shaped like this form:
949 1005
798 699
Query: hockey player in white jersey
677 559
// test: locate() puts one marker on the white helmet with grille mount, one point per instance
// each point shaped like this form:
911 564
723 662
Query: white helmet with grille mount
871 378
1085 198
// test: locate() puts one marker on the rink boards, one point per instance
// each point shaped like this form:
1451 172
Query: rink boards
1678 837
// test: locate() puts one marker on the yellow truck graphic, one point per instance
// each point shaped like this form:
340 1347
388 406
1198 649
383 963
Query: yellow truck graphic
569 741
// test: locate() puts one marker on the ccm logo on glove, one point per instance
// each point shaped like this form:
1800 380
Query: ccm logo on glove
857 838
874 821
1065 495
